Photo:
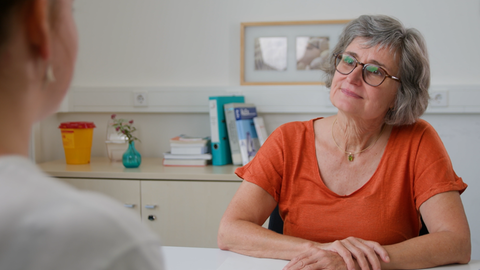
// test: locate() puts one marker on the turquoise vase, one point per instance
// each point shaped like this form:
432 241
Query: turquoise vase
131 157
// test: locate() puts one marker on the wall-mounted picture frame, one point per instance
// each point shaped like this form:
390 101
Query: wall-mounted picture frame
286 53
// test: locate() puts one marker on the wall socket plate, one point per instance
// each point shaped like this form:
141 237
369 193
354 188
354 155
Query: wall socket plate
439 98
140 99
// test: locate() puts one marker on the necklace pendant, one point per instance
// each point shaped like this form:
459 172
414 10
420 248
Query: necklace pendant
350 157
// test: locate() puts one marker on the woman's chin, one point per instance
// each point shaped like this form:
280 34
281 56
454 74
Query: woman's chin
345 106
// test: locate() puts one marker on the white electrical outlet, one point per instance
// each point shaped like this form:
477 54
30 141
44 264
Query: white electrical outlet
439 98
140 99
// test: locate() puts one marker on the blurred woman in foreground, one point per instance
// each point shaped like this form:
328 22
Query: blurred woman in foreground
45 224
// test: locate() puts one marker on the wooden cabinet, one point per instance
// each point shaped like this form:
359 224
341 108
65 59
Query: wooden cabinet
186 213
183 205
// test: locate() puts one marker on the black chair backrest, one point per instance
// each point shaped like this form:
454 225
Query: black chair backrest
276 223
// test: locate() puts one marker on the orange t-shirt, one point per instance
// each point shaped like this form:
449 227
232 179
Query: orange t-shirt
414 167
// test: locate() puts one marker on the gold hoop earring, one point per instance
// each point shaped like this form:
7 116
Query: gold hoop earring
50 77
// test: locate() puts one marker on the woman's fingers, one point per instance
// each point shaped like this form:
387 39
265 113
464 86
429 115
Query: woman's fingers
373 251
296 263
345 253
364 255
379 250
317 259
299 263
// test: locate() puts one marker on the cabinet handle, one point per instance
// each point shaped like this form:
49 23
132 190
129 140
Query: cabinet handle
152 217
129 205
150 206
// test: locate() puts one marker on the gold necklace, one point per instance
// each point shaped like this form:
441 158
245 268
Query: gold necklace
350 155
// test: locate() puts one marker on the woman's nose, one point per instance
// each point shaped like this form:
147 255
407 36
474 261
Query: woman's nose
355 77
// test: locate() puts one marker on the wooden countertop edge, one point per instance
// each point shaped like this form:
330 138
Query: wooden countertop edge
150 169
144 176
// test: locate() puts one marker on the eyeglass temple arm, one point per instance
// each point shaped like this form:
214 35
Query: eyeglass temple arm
393 77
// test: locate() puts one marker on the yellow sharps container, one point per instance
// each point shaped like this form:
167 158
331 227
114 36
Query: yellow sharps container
77 141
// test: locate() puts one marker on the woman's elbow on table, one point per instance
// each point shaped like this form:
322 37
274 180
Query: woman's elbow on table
467 252
222 236
221 241
463 250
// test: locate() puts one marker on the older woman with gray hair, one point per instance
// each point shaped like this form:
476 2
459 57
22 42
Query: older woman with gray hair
352 188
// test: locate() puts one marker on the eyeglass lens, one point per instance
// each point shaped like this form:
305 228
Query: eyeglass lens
372 74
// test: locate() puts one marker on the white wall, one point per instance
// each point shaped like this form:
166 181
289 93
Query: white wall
191 43
197 43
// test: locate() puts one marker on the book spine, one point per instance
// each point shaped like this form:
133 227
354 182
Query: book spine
188 156
189 151
247 136
214 125
242 142
184 163
233 134
260 129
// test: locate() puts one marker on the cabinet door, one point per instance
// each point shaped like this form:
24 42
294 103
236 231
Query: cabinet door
127 192
186 213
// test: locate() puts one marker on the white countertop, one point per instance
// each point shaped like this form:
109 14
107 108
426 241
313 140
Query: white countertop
150 169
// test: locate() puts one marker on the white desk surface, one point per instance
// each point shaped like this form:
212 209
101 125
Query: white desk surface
186 258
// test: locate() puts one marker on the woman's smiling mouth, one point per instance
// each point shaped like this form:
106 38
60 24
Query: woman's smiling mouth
350 93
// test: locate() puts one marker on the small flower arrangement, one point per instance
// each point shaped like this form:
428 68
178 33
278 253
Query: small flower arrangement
124 127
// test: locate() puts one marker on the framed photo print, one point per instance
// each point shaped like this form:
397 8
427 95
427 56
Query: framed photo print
286 53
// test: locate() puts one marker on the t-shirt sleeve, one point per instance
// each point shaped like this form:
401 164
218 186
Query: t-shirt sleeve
434 172
267 167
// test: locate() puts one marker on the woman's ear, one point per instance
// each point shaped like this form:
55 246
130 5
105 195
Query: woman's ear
37 26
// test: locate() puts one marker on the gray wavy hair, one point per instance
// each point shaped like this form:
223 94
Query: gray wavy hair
414 67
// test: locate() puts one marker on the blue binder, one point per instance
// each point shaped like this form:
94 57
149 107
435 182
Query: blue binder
220 145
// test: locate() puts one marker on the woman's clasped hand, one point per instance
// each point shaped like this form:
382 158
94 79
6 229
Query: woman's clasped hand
348 254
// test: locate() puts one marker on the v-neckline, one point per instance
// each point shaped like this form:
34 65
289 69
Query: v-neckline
385 153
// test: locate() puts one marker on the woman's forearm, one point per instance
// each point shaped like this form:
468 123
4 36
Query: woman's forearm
429 250
240 231
448 241
251 239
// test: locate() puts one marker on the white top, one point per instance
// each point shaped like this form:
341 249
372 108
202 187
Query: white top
45 224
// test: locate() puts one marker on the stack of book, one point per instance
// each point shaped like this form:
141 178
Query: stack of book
188 151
